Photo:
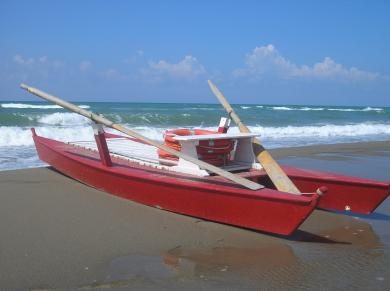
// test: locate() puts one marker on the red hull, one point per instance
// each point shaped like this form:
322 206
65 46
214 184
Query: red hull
344 192
211 198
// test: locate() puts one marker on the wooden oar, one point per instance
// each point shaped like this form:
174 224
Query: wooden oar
100 119
274 171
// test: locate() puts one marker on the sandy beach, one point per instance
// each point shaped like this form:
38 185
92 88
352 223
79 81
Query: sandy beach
57 233
309 79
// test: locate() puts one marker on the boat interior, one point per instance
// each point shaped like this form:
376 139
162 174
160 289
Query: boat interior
137 152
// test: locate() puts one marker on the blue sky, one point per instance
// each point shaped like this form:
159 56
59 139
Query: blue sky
284 52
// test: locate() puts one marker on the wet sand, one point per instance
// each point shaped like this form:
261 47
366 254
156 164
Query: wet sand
374 148
57 233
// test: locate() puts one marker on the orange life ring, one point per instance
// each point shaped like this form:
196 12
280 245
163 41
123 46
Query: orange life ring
215 152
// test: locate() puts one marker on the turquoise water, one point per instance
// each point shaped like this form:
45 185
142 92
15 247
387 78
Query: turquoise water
278 125
182 114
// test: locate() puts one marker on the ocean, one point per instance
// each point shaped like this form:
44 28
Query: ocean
278 125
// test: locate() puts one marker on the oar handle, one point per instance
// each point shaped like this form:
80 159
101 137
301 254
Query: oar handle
229 109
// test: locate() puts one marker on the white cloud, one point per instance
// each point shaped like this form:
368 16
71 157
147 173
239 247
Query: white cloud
267 61
328 68
29 67
40 61
188 68
85 66
23 61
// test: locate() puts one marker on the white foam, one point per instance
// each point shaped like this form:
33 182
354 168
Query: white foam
65 119
18 136
17 148
311 108
245 107
150 132
298 108
377 109
355 109
15 158
372 109
281 108
33 106
331 131
328 130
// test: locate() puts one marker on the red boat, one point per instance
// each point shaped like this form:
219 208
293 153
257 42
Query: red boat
209 197
182 179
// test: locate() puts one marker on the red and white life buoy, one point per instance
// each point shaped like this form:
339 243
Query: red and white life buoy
215 152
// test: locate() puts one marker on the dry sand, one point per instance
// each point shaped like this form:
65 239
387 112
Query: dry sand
57 233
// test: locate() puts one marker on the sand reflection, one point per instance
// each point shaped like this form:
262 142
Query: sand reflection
218 260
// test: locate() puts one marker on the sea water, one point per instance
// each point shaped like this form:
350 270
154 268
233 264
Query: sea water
277 125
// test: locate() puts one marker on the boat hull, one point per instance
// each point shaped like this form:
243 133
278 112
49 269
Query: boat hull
344 192
211 198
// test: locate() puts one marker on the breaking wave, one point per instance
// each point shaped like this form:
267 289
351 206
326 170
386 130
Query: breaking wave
297 108
356 110
65 119
328 130
19 136
282 108
33 106
293 125
366 109
311 109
